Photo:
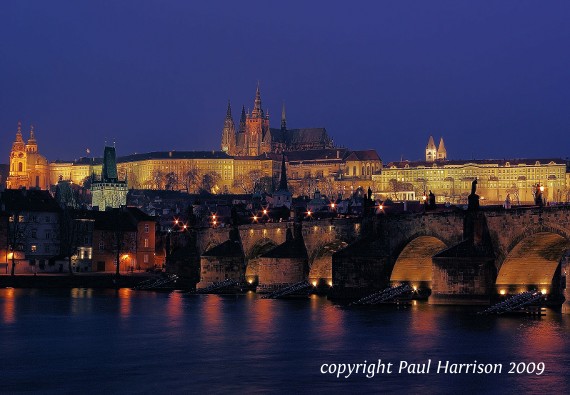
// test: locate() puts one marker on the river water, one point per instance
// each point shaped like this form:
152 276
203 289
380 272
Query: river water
104 341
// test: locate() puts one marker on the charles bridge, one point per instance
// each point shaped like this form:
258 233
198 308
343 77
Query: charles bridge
459 256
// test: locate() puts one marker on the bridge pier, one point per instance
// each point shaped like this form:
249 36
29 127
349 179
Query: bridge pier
461 275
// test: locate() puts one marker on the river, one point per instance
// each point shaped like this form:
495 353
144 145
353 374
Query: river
104 341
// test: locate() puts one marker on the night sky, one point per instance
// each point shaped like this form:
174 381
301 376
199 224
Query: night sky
491 77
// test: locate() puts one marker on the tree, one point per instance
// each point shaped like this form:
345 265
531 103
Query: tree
190 180
210 181
171 181
158 179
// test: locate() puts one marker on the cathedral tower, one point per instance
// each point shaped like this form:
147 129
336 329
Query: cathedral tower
258 137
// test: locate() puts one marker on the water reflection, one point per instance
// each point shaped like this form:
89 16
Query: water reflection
423 328
80 300
125 295
174 310
9 310
328 323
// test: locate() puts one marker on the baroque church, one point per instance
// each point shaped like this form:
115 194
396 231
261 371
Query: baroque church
28 169
255 137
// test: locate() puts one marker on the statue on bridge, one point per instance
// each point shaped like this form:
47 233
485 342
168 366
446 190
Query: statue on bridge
473 199
538 196
431 200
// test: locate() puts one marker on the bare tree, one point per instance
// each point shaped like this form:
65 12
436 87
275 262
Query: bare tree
158 179
210 181
191 180
171 181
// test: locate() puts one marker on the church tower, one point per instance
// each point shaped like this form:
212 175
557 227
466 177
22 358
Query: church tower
229 133
258 139
283 119
28 169
431 150
441 151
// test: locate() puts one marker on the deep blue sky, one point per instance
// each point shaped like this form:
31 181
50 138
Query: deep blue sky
491 77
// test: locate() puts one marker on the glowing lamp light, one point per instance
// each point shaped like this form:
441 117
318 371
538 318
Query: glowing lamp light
309 213
542 188
255 217
214 222
264 211
543 291
185 226
214 217
314 283
330 283
424 197
176 221
502 292
381 207
415 288
125 256
250 281
332 205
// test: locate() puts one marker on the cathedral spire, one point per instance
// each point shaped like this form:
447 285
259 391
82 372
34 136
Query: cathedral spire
257 111
229 111
283 118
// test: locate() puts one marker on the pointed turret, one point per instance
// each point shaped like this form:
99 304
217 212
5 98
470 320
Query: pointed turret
229 111
109 173
441 151
283 118
431 150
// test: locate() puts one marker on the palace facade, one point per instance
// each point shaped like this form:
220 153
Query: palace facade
450 180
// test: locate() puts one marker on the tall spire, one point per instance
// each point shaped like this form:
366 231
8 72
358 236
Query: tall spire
283 179
283 118
257 111
441 151
229 111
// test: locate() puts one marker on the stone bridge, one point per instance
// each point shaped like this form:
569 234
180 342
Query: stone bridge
321 238
462 257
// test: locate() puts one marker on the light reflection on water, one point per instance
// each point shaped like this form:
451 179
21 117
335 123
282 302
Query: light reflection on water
99 341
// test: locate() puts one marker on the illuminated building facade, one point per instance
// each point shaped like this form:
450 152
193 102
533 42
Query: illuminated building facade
450 180
28 169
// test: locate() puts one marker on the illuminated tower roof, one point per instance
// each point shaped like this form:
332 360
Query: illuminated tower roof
441 151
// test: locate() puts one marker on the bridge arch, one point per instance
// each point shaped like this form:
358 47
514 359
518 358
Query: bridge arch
414 264
532 261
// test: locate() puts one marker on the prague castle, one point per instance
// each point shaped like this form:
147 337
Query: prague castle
27 169
252 155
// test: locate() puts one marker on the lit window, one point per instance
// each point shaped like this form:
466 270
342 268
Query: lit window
146 242
33 248
146 228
